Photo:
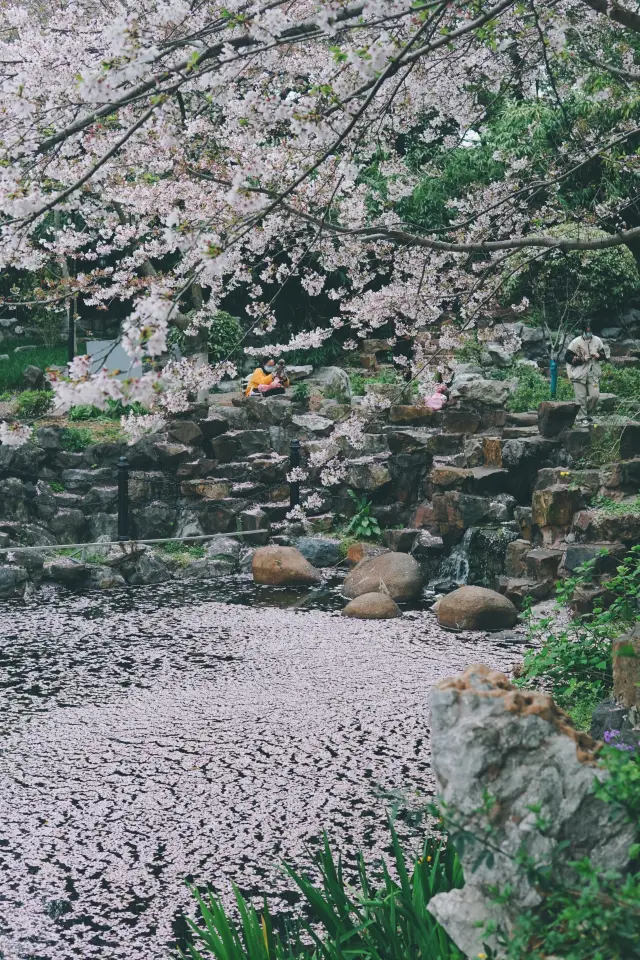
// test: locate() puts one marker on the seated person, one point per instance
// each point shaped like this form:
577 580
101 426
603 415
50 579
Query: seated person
267 380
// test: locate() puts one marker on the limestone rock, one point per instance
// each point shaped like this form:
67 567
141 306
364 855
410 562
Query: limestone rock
314 424
516 558
65 570
554 507
145 570
12 580
332 382
543 563
413 415
366 474
105 578
33 377
372 606
517 589
489 738
256 527
320 551
397 574
283 566
476 608
556 416
401 541
595 526
186 432
493 393
172 454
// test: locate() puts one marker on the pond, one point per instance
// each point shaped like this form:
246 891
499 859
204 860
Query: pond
200 732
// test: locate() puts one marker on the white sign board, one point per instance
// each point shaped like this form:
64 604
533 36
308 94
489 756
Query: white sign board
109 354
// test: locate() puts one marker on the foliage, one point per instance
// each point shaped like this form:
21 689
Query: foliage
33 403
376 920
177 548
224 336
363 524
11 370
360 380
76 439
615 508
573 662
532 389
57 486
575 285
115 409
301 392
604 443
623 381
471 350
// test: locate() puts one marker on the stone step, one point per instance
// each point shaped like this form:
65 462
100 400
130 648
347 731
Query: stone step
516 433
528 419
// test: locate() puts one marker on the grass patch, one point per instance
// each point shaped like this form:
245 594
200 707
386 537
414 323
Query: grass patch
76 439
11 370
615 508
183 553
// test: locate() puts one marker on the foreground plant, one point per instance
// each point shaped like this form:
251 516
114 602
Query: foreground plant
379 919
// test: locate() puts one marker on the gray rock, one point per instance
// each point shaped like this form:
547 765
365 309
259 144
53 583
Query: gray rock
493 393
225 549
367 474
172 454
490 739
498 355
105 578
185 432
333 383
611 333
147 569
273 411
154 521
256 527
314 424
103 527
65 570
188 525
49 438
100 500
33 377
68 525
501 508
320 551
12 580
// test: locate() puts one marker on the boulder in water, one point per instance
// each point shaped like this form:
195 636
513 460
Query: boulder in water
283 566
476 608
396 574
372 606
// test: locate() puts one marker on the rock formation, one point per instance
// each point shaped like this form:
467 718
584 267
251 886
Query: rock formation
516 778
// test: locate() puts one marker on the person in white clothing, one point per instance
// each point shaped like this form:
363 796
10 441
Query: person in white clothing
583 358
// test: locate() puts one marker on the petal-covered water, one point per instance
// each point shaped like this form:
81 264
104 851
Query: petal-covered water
196 732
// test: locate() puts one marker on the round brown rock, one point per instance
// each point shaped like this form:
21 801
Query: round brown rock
283 566
396 574
476 608
372 606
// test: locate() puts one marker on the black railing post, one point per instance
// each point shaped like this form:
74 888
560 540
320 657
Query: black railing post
294 461
71 342
123 499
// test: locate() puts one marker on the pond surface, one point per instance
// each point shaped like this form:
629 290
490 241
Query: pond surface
198 732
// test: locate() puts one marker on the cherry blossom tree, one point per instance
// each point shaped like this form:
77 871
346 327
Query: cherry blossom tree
196 148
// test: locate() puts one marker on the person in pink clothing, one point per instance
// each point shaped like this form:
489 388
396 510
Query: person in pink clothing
439 398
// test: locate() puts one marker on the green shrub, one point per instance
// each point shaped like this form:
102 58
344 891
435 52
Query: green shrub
301 392
623 381
575 285
383 919
76 439
34 403
224 337
573 662
363 524
178 548
533 388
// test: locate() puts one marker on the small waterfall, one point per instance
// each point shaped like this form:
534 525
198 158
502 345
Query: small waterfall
454 569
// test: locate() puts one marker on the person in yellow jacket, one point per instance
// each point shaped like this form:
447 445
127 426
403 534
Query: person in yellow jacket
265 380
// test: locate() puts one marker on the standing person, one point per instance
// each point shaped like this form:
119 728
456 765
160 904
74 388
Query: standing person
583 358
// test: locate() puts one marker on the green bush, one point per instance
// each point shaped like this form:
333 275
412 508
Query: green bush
362 524
301 392
76 439
623 381
573 662
578 284
224 337
34 403
533 388
386 919
113 411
